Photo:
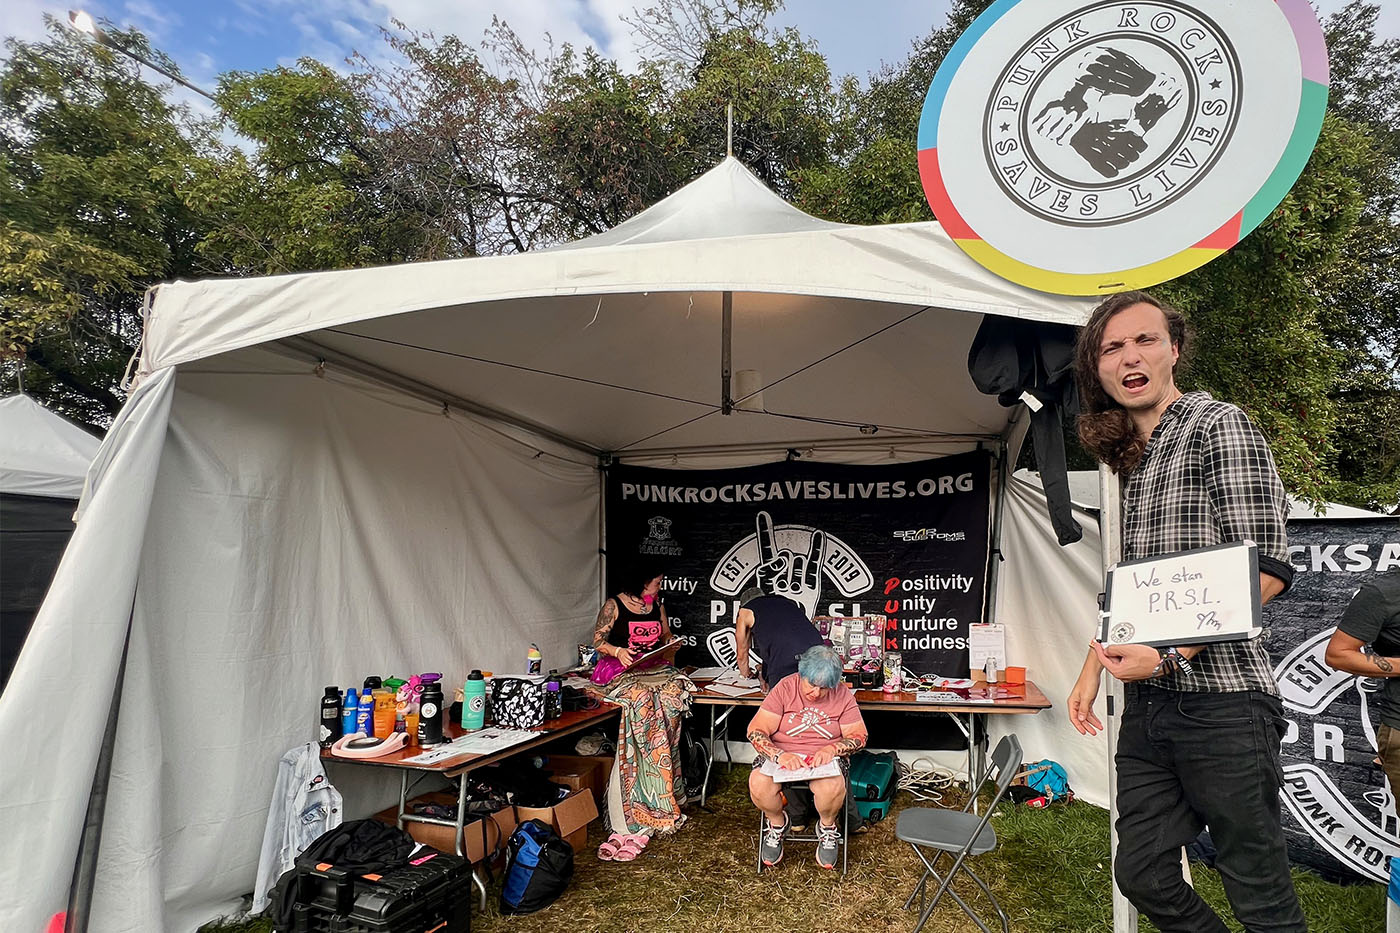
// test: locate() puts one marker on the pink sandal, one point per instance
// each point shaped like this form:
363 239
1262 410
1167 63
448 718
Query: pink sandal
609 849
632 847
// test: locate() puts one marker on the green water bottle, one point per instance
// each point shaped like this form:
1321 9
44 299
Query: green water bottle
474 703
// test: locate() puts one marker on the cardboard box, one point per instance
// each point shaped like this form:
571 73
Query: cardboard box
481 836
569 817
580 772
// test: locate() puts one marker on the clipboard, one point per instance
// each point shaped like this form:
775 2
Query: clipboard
654 653
1194 597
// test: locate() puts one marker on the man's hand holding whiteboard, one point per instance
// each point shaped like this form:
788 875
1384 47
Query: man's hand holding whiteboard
1187 598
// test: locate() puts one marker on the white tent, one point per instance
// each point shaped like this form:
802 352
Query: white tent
41 454
401 464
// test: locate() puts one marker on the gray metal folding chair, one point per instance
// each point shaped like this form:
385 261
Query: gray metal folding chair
958 833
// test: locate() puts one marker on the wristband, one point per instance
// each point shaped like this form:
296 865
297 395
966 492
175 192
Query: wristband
1182 663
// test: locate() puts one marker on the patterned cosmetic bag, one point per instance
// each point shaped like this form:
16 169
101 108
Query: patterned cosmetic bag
517 703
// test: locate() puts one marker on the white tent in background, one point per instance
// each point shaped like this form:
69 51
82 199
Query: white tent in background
399 467
43 459
41 453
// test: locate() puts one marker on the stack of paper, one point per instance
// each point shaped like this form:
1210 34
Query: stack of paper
729 690
481 742
782 775
709 673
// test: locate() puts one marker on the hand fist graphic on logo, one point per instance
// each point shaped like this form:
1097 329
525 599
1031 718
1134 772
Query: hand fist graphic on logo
1106 114
782 572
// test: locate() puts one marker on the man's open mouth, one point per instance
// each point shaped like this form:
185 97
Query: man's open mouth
1135 381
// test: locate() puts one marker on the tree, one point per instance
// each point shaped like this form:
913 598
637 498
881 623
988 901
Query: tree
90 160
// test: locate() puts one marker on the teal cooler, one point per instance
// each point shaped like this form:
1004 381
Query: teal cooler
874 777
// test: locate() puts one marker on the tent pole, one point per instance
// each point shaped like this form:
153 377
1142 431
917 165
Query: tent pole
85 865
603 463
425 391
994 558
726 352
1125 915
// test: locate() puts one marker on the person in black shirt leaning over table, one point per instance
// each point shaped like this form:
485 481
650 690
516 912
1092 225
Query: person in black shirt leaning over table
777 629
1367 642
1201 728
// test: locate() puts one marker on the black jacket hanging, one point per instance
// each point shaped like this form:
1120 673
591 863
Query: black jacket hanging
1011 357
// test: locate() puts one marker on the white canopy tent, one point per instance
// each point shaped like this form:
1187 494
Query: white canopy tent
41 453
397 469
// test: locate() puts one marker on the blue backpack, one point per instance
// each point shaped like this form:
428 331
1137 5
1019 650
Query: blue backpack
1049 778
539 866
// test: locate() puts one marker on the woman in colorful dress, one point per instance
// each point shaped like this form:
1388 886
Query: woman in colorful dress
646 790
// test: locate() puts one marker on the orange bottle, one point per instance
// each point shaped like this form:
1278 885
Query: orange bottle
383 712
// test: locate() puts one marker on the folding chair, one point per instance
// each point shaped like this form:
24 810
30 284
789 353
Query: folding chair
960 834
845 824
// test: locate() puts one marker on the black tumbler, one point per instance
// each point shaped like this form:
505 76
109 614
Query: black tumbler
430 715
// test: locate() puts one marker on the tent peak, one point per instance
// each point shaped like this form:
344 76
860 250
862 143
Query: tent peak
728 200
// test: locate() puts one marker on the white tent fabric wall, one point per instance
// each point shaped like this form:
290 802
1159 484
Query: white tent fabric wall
1048 601
53 710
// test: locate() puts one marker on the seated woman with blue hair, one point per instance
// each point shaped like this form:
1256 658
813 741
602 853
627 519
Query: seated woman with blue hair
808 720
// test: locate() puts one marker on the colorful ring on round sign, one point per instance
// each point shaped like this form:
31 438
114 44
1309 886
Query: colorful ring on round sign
1307 125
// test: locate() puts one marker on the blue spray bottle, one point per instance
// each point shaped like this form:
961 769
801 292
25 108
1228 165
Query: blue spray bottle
349 710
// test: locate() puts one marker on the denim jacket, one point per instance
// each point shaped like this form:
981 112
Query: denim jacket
304 805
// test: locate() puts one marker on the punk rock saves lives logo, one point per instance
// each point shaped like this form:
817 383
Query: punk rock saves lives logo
1090 147
1360 833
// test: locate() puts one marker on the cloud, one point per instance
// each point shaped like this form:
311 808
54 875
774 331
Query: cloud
150 20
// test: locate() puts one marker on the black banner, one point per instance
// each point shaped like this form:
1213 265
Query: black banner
1340 813
908 541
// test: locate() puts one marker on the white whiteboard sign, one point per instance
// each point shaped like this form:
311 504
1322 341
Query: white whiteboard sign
1187 598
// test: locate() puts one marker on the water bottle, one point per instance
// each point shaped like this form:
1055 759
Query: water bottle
474 704
533 659
430 715
348 711
364 716
330 717
372 683
553 697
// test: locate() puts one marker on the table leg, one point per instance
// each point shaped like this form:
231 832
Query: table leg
403 797
973 772
457 835
709 760
480 886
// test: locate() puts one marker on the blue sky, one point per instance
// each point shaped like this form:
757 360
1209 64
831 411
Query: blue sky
213 36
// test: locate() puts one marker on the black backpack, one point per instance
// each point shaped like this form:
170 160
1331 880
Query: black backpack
693 757
539 866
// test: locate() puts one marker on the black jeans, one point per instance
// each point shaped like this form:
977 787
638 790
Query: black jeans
1189 760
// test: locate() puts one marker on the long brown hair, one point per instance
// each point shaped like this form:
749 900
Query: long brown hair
1105 429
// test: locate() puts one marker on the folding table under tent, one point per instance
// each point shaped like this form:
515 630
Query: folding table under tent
43 459
319 472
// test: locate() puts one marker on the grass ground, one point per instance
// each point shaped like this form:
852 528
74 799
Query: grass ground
1050 871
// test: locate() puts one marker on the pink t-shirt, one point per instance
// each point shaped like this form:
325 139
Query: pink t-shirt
805 728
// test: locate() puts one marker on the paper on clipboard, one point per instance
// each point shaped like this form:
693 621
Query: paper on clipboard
1187 598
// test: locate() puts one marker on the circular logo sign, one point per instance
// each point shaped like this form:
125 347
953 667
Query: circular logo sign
1122 632
1087 148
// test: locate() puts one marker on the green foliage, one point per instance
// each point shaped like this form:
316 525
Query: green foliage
90 160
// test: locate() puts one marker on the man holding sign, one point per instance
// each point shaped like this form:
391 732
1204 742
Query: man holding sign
1199 744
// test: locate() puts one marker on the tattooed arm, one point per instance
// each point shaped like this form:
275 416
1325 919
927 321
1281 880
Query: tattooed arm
1348 653
765 723
606 617
853 739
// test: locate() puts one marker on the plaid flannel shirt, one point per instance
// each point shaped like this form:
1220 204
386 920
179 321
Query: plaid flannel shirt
1207 478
